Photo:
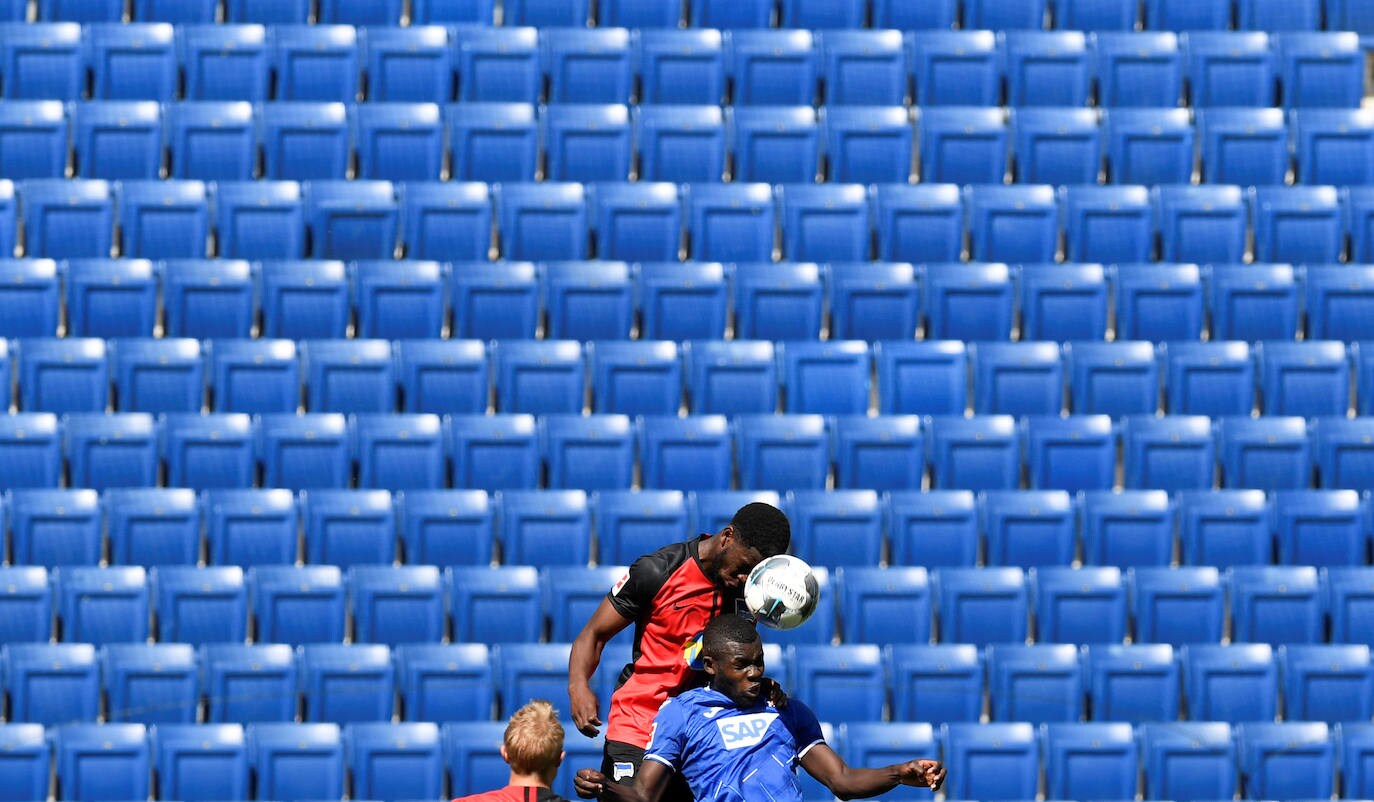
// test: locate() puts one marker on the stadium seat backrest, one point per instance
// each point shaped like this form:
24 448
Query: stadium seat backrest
63 375
1189 760
1117 378
163 375
836 527
636 222
102 605
868 144
254 376
883 453
208 451
152 526
443 376
297 761
963 144
346 683
1336 298
117 450
1170 453
492 301
1306 378
1029 528
1288 759
589 300
408 65
444 682
102 761
35 134
394 760
778 301
248 684
981 606
1326 682
934 528
349 527
782 452
732 223
972 750
472 752
1093 759
1319 69
132 61
980 453
936 683
450 221
636 378
919 223
206 299
1022 378
543 221
1299 224
629 524
400 452
30 297
1177 605
587 141
841 681
1084 605
28 606
225 62
1341 454
1056 145
494 605
297 605
304 140
1133 683
767 67
1238 682
683 143
571 593
298 452
884 605
968 301
151 683
316 63
54 528
399 300
1270 453
1258 305
445 527
1225 527
873 301
1353 740
1063 302
350 376
1133 69
676 67
1243 146
163 220
1047 68
1331 146
494 452
393 605
195 761
28 760
922 378
45 60
260 220
545 527
52 683
352 219
111 298
200 605
1275 605
1320 527
1127 528
251 527
117 139
529 671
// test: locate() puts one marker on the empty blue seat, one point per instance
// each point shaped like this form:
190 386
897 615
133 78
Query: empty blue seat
297 604
778 301
205 451
224 62
315 62
400 452
589 453
547 13
1040 683
164 219
588 66
28 605
132 61
837 527
919 223
352 220
105 451
774 144
297 761
198 761
443 376
1028 528
1189 760
636 378
111 298
200 605
347 683
117 139
1320 69
494 605
67 219
543 221
1253 302
445 527
493 141
1324 682
884 605
349 376
213 140
629 524
543 528
825 223
399 141
539 376
1127 528
637 221
935 683
1232 683
739 376
1212 378
304 451
1338 297
304 299
867 144
587 142
1331 146
1173 15
203 298
922 378
28 761
1177 605
1106 224
33 450
1135 69
1347 594
472 752
62 375
826 378
1056 145
859 68
731 222
528 671
498 64
1225 527
873 301
992 761
1079 605
102 605
399 300
1171 453
843 681
956 67
349 527
1320 527
304 140
1354 746
680 142
1298 224
1341 452
494 452
52 683
821 633
1304 378
1291 759
1133 683
883 453
260 220
1269 453
767 67
254 376
449 682
408 65
1159 302
55 527
33 139
1275 605
1116 378
1013 224
151 683
675 67
1089 759
29 297
492 301
1229 68
251 527
692 453
968 301
152 526
1270 15
782 452
1149 146
102 761
1063 302
979 453
963 145
267 11
1047 68
249 683
1022 378
43 60
981 605
571 593
1073 453
449 221
1245 146
588 300
934 528
390 761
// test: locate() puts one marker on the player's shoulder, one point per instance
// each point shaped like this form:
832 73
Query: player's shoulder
797 711
664 561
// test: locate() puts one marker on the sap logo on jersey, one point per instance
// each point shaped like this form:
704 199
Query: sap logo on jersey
741 731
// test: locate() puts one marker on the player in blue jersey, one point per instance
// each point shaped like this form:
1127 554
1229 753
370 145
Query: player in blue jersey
732 745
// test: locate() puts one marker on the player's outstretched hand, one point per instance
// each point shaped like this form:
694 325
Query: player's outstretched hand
589 783
584 715
923 774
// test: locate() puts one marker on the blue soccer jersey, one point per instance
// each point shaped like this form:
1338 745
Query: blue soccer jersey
732 754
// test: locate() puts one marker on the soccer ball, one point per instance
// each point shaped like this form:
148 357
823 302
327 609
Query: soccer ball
781 592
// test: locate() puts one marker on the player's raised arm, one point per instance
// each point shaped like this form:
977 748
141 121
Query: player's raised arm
606 622
850 782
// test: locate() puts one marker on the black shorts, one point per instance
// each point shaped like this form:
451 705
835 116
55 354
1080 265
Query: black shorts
616 752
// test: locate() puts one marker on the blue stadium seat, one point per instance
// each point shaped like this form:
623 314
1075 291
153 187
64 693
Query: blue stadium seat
348 527
979 453
1174 15
542 528
198 761
152 526
629 524
1268 15
151 683
494 452
110 298
1149 146
1304 378
1063 302
1013 223
1326 682
822 632
408 64
1022 378
267 11
935 683
399 141
1135 683
782 452
692 453
444 682
1225 527
1056 145
1253 302
934 528
1073 453
956 67
297 761
1117 378
921 378
1298 224
52 683
882 453
731 222
1047 68
884 605
208 299
102 761
207 451
539 376
1079 605
858 68
867 144
260 220
1320 69
304 140
1244 146
223 62
827 378
1347 594
29 298
778 301
587 66
391 761
304 451
1275 605
493 141
836 527
543 221
443 376
200 605
873 301
774 144
1341 452
472 752
102 605
55 527
1320 527
675 67
637 221
33 139
353 219
936 15
28 605
968 301
1135 69
304 299
132 61
117 139
991 761
825 223
981 605
497 64
254 376
399 300
445 527
1229 68
493 301
44 60
547 13
1353 749
919 223
1127 528
876 743
105 451
528 671
593 452
1338 297
1232 683
1285 760
1089 760
768 68
1159 302
163 219
1176 605
963 145
247 684
449 221
997 14
33 450
588 300
1171 453
842 681
1189 760
347 683
67 219
636 378
680 142
349 376
731 377
1331 146
1269 453
80 10
1212 378
495 605
1028 528
1038 684
571 593
62 375
586 142
400 452
297 604
28 761
315 62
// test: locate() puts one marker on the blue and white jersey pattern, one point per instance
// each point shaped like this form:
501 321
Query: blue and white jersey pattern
732 754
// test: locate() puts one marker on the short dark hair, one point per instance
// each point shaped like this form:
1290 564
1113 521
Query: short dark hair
762 526
727 629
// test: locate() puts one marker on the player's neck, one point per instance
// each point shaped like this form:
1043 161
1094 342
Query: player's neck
708 551
528 780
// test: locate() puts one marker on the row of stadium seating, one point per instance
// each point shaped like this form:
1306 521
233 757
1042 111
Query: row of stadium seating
573 65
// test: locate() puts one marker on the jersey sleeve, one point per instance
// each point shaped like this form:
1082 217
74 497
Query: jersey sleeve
668 735
803 724
634 592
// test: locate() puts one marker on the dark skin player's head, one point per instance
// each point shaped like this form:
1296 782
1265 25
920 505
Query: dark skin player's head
732 656
756 532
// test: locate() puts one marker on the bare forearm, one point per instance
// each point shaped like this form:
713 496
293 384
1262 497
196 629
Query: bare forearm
860 783
583 659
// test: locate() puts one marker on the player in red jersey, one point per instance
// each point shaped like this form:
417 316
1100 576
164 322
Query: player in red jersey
669 596
533 747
